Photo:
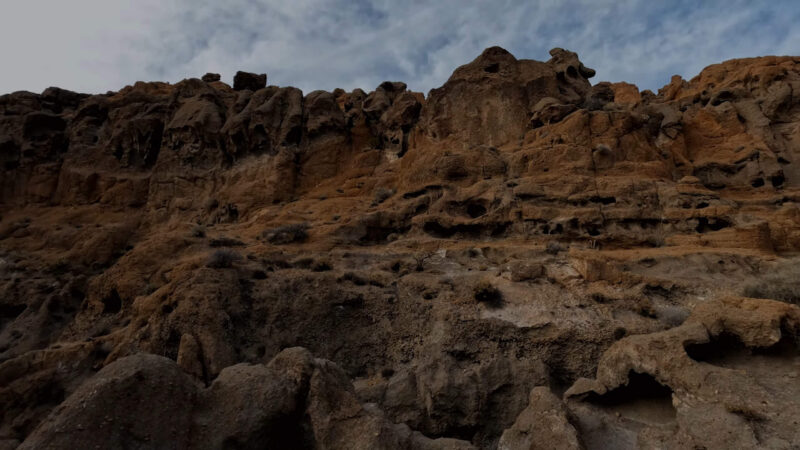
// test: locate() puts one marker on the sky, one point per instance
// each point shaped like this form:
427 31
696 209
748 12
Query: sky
95 46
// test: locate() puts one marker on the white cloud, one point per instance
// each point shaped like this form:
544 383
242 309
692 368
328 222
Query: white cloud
99 45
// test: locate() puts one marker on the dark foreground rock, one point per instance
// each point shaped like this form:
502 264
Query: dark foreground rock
295 401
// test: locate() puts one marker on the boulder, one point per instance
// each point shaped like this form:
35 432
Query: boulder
249 81
542 425
294 401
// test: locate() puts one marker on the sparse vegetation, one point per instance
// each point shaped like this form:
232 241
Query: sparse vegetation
223 258
287 234
420 259
554 248
486 292
303 263
224 241
783 284
321 266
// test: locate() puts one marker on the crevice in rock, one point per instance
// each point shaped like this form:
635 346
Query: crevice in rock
472 231
172 344
492 68
727 349
475 210
602 200
706 224
642 399
112 303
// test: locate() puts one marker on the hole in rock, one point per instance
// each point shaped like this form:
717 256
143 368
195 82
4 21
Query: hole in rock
655 290
723 97
259 275
727 350
602 200
777 180
377 234
705 224
758 182
558 229
643 399
475 210
293 136
414 194
572 72
492 68
472 231
112 303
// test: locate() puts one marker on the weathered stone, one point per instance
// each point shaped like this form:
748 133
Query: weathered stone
249 81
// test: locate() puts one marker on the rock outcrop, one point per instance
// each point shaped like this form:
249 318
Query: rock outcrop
294 401
519 259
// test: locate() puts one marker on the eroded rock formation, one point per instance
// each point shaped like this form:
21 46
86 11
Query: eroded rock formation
520 259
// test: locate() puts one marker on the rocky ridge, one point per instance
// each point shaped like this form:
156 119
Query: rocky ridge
519 259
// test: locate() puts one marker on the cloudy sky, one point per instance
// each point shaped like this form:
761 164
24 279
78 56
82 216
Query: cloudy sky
100 45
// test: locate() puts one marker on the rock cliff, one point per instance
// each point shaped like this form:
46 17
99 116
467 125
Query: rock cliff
520 259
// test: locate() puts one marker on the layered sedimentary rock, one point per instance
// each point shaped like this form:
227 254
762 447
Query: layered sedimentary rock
520 258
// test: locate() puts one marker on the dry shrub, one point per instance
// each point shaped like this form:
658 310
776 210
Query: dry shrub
485 292
223 258
287 234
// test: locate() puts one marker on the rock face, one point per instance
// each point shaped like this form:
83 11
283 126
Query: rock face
519 259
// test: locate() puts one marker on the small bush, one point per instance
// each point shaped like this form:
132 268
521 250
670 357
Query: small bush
420 260
354 278
485 292
553 248
223 258
287 234
321 266
225 242
783 285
